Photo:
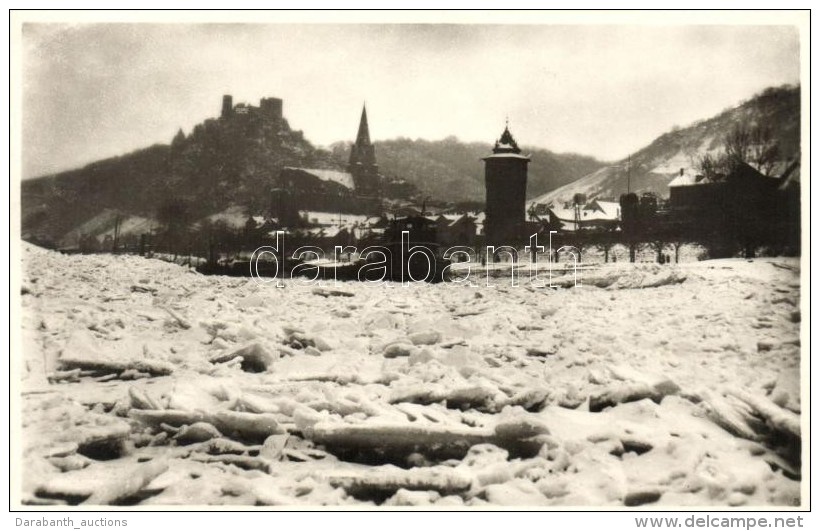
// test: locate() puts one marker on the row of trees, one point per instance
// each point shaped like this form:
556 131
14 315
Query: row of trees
609 242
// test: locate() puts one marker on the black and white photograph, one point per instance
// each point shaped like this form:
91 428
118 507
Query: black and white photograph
447 261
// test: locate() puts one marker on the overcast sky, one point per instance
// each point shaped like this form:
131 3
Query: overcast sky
97 90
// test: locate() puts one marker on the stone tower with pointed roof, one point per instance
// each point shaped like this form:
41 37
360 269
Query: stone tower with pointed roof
362 164
505 179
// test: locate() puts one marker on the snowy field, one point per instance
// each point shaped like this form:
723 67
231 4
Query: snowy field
147 383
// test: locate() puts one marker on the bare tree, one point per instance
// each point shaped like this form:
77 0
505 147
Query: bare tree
764 151
634 246
713 166
738 143
605 246
754 145
677 243
658 245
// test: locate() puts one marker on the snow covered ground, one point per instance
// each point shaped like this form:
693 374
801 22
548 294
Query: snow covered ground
147 383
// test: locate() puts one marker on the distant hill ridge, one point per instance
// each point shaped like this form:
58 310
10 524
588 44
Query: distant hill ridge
451 170
653 167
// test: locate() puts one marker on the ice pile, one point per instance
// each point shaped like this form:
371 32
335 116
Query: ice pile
146 383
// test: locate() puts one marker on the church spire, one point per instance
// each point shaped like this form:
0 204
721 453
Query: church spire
362 165
363 137
363 154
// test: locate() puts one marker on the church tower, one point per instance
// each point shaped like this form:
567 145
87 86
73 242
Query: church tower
505 179
362 165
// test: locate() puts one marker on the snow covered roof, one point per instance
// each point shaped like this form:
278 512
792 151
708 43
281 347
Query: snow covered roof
609 210
334 218
328 232
683 180
320 232
689 179
453 219
564 214
593 212
340 177
596 215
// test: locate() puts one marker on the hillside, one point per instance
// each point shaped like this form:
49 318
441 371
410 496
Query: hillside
451 170
653 167
220 163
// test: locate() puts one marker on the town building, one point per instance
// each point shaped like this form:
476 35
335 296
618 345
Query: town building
712 195
742 207
456 229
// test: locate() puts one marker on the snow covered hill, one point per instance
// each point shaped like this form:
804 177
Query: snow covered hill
653 167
